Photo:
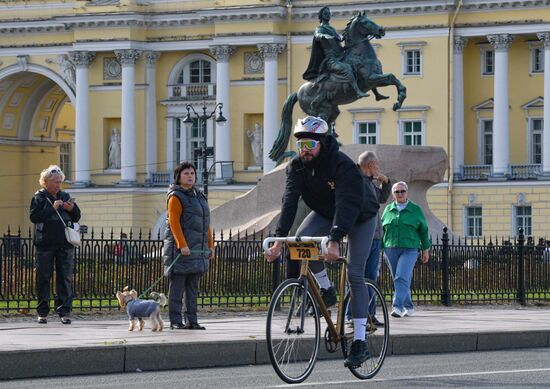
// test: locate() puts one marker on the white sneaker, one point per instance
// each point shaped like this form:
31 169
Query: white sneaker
396 312
408 312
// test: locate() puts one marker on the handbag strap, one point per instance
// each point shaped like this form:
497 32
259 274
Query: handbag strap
58 214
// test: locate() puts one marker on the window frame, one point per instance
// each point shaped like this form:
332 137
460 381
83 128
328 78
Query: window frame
483 64
533 59
358 135
482 143
466 222
403 122
406 49
527 229
531 143
66 166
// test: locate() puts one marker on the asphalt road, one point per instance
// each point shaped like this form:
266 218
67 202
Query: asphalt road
525 368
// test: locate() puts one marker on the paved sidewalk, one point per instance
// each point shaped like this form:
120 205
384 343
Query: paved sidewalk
28 349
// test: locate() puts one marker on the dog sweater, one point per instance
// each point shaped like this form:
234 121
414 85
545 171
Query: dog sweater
141 308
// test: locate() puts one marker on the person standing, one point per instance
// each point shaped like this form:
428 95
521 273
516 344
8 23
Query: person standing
370 167
331 184
188 246
405 231
48 206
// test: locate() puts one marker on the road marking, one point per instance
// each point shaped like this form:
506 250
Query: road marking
415 377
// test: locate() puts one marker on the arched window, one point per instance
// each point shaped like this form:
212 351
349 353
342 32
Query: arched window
200 72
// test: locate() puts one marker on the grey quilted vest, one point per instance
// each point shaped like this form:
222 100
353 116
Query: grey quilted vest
194 221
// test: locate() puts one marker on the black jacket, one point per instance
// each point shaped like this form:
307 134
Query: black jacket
49 231
332 187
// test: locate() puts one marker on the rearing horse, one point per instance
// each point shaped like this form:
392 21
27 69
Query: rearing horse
322 98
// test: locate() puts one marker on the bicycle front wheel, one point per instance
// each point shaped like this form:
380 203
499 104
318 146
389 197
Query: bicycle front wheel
292 340
377 336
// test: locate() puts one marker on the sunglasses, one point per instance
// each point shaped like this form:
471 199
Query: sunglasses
399 191
55 171
309 144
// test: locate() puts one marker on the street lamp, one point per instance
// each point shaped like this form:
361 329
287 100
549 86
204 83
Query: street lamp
204 151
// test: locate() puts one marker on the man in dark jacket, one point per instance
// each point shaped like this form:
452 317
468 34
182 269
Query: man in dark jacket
331 184
48 206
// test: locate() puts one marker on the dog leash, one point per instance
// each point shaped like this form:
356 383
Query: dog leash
168 269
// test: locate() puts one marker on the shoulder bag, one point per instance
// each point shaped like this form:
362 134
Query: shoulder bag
72 235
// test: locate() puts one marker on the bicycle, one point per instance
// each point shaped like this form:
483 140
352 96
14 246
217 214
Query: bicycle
293 319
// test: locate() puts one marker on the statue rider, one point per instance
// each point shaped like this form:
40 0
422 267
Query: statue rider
327 55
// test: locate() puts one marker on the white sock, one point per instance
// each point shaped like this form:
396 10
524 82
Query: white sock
359 328
322 279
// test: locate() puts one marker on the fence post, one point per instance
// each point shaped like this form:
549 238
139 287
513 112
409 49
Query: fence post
521 268
445 293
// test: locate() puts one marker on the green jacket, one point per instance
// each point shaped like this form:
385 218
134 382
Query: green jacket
405 229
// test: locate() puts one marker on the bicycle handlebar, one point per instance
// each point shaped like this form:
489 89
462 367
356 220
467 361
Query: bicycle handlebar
295 239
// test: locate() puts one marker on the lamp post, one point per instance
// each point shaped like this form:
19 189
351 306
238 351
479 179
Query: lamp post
204 151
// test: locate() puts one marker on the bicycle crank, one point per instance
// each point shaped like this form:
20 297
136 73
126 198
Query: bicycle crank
330 344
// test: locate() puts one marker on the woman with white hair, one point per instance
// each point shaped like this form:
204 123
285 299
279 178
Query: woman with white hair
48 206
405 232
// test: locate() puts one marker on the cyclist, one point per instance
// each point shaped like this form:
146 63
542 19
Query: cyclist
330 183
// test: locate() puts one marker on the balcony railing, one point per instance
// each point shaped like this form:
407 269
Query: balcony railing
475 172
528 171
192 91
525 172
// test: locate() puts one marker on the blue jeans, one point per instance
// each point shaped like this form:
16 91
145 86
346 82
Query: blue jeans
401 263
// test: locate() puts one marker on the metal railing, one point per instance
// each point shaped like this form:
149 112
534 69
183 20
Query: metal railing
459 271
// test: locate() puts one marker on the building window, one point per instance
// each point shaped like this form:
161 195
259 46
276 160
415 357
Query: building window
177 140
367 133
413 62
487 142
535 127
200 72
488 62
537 60
65 158
522 219
412 133
195 140
474 221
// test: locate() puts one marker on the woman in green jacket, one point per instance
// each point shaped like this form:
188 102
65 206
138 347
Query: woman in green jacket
405 231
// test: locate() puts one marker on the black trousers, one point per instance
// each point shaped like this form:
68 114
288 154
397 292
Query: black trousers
63 260
183 290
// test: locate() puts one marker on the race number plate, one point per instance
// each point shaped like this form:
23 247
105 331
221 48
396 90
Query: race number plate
303 252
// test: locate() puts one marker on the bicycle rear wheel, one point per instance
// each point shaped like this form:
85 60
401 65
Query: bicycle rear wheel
377 337
292 346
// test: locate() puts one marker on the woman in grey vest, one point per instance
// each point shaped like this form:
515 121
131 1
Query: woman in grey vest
188 246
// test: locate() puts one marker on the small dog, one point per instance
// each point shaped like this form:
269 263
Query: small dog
142 308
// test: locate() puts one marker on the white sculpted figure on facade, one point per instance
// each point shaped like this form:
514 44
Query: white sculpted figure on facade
66 69
114 150
256 143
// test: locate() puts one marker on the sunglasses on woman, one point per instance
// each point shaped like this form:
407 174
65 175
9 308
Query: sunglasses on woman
309 144
399 191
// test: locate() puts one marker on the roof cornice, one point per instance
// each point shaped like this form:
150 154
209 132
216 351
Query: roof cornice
247 13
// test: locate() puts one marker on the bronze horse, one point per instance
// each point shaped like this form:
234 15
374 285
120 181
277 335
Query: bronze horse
322 97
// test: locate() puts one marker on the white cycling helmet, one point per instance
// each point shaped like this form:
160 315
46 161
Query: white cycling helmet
310 126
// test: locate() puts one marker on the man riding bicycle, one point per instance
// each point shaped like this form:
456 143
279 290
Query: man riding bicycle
331 184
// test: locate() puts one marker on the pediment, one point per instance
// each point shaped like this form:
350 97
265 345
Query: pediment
487 105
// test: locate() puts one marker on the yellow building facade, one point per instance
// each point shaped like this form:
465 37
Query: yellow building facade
103 88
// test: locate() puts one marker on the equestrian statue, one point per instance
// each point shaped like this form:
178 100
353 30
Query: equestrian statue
337 74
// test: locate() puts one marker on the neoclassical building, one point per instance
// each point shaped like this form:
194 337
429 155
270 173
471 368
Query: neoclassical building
104 87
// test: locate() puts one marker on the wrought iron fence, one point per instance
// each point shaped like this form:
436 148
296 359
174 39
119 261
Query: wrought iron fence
459 271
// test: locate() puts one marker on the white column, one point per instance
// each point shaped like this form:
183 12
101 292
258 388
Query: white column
170 154
128 59
270 52
151 58
82 60
222 144
501 127
545 37
458 103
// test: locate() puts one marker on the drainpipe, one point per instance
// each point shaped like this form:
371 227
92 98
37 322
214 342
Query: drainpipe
450 108
288 47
